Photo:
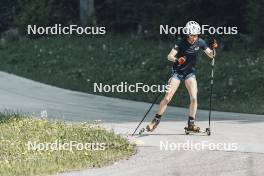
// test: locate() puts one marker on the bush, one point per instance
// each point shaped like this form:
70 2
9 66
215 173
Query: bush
7 13
46 12
255 21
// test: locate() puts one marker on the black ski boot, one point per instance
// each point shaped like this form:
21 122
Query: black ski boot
191 126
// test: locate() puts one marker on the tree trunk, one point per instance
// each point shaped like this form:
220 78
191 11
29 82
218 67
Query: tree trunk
87 12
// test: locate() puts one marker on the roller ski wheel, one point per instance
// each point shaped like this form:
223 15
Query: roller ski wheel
208 131
142 131
192 129
186 131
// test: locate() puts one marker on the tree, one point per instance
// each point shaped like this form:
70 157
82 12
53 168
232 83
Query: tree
255 21
87 12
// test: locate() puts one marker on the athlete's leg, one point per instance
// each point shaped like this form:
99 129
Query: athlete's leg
191 85
174 84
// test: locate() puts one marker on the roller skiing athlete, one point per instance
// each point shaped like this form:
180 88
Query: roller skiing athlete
184 57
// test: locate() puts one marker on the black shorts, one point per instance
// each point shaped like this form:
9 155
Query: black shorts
182 76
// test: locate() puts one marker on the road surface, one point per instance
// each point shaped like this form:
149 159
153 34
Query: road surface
167 151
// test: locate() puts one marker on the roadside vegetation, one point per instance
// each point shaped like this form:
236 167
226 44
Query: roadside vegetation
20 155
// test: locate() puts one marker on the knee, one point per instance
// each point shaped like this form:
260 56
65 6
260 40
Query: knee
166 99
193 99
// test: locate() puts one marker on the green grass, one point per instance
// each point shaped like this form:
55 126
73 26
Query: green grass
78 62
16 159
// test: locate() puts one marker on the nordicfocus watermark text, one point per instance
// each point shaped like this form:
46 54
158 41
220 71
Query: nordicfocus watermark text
205 29
58 29
66 146
125 87
203 145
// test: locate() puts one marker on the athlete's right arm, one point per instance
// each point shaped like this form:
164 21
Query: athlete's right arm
172 55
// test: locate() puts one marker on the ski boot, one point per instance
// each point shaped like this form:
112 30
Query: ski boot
152 125
191 127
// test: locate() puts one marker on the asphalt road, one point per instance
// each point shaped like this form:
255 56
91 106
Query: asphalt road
236 146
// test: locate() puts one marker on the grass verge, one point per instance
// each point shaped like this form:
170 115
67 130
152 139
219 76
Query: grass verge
19 157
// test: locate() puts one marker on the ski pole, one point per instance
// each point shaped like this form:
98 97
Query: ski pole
211 93
155 100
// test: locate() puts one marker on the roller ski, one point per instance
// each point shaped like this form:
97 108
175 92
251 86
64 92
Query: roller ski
191 128
197 130
152 125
